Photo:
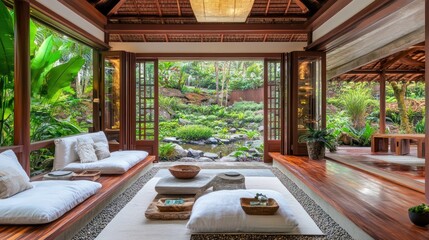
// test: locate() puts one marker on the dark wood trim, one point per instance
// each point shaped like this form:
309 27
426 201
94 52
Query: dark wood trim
266 156
427 99
96 91
361 23
22 88
41 144
56 21
236 28
84 9
283 105
111 185
16 149
382 119
328 10
211 56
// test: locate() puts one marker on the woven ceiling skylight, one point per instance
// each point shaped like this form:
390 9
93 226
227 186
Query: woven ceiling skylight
221 10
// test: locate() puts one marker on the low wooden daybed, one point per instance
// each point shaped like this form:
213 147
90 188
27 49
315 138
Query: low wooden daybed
70 222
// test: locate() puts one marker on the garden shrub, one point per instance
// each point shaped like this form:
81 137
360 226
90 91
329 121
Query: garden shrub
194 132
165 150
246 105
420 126
168 129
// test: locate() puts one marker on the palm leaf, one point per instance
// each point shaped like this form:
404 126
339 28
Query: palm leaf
6 41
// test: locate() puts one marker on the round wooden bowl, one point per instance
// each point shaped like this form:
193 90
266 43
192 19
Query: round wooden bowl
184 171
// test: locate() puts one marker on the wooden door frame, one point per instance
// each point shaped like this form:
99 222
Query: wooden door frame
150 146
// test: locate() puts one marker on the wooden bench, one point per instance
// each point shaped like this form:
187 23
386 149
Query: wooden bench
67 225
399 143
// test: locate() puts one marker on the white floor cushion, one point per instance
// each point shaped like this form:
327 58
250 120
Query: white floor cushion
119 162
45 202
221 212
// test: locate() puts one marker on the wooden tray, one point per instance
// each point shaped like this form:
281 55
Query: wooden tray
153 213
87 175
270 209
186 206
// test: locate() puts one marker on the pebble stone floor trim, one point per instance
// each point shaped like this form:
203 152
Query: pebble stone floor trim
329 227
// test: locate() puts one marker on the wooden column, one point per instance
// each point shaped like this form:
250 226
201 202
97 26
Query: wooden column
22 81
382 103
427 98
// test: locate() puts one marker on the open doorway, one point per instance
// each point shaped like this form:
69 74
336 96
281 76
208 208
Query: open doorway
211 110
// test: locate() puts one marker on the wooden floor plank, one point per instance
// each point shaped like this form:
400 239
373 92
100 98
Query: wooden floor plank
377 206
111 184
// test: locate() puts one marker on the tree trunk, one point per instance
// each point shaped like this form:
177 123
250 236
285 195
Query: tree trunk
399 91
216 64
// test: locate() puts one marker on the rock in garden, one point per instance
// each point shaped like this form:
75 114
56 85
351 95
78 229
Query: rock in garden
187 159
261 128
236 137
197 142
255 143
184 121
225 141
204 159
171 139
211 140
232 130
170 92
179 152
195 153
228 159
210 155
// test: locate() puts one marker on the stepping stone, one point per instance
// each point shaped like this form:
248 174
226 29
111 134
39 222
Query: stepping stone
210 155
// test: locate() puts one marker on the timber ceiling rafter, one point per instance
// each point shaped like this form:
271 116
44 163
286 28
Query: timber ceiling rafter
407 65
287 14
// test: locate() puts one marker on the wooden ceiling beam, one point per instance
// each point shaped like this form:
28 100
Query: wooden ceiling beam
182 18
287 6
159 8
268 7
116 7
412 62
179 10
301 5
363 72
396 58
235 28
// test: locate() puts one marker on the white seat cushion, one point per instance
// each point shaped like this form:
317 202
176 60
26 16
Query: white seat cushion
45 202
119 162
221 212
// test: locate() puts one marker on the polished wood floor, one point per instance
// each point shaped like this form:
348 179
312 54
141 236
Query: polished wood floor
376 205
111 184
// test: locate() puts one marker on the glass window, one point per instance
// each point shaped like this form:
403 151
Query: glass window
6 75
61 84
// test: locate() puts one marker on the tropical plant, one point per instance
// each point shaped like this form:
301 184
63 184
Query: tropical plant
165 150
360 137
323 136
194 132
356 101
420 126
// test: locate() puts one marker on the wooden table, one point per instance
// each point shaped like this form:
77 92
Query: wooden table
399 143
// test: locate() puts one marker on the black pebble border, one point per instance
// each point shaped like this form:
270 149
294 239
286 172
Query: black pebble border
332 230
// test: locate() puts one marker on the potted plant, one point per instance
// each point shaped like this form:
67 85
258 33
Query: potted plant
317 140
419 215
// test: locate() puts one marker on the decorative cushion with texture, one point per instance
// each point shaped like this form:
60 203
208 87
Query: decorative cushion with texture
221 212
101 150
65 148
8 159
85 150
12 182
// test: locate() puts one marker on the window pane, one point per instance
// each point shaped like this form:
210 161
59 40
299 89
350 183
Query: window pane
6 76
61 84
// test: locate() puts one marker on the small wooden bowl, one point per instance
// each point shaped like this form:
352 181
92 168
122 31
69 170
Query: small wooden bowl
184 171
269 209
186 206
